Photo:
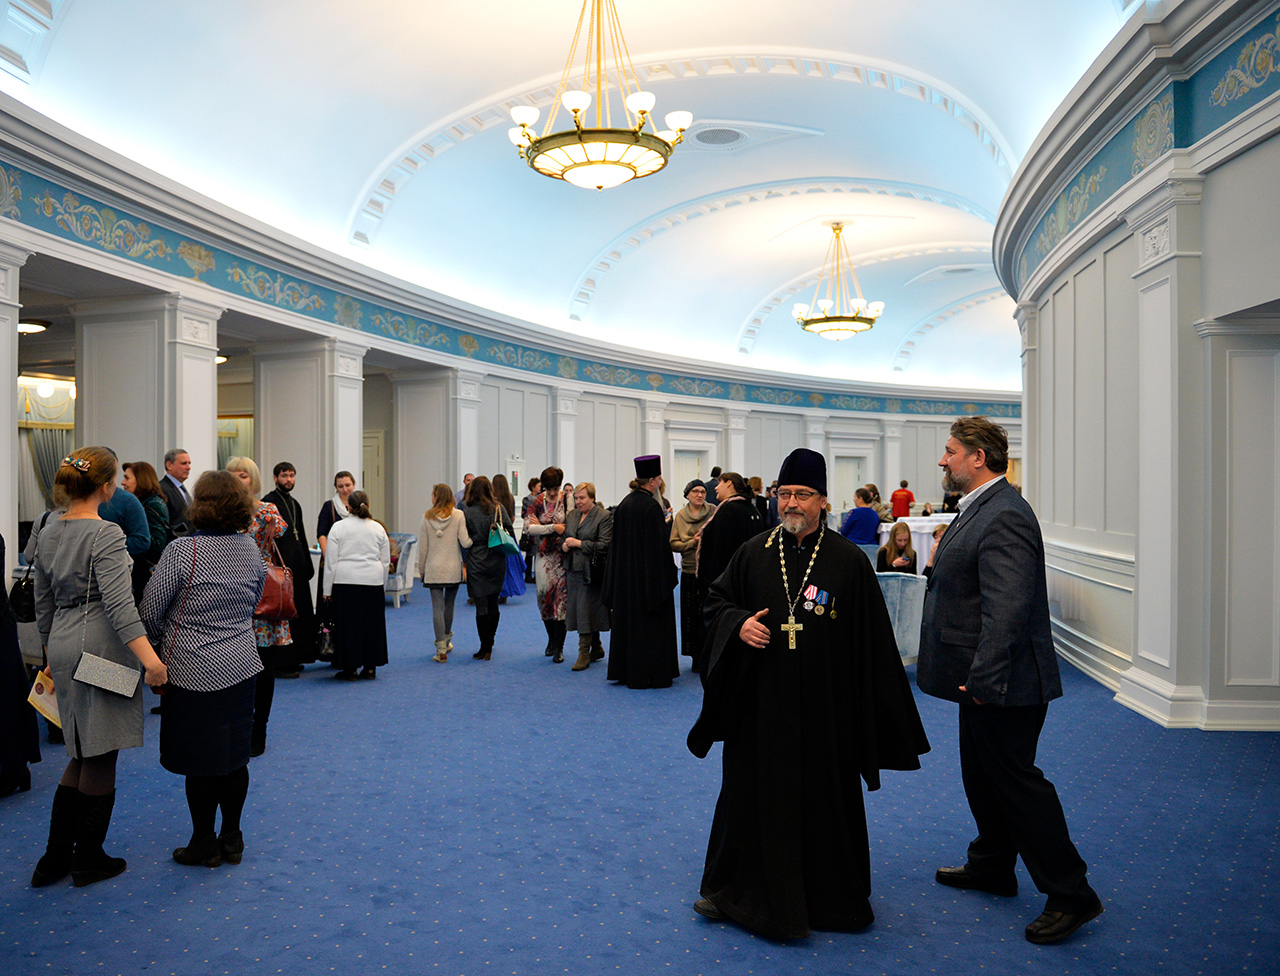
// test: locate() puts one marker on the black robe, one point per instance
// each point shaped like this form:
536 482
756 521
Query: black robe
788 849
639 584
295 550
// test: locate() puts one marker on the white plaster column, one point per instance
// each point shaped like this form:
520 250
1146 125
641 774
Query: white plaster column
1166 679
565 420
146 377
892 472
420 442
308 401
815 435
1028 319
11 261
465 397
655 429
736 441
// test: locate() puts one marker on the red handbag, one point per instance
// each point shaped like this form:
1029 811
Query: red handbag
277 592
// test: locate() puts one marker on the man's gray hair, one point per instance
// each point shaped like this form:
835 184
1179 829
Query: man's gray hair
171 455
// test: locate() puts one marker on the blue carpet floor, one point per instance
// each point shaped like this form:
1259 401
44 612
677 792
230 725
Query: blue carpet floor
512 817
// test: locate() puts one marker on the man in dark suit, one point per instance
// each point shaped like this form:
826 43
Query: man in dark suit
985 643
177 468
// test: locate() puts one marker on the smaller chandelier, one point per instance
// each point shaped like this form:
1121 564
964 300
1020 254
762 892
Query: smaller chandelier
602 156
841 311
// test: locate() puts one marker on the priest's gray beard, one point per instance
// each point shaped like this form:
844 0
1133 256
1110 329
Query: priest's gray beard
795 524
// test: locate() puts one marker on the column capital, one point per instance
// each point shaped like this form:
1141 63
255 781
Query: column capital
565 399
1166 220
892 429
736 419
466 384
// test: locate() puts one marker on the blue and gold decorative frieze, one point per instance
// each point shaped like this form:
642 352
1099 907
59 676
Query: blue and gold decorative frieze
1154 137
73 215
10 193
1255 64
101 226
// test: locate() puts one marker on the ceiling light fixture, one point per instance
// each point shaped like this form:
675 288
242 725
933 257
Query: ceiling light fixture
32 327
600 157
841 311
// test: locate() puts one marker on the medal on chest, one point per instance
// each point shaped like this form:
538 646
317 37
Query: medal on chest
791 627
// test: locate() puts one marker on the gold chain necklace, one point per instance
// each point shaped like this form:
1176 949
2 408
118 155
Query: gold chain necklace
791 626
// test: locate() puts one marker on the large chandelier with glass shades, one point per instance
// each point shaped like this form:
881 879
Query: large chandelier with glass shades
595 154
838 309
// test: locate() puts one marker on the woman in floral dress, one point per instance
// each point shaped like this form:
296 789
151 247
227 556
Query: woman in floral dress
546 525
267 525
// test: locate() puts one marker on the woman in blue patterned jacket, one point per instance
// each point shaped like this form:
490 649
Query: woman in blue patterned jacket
199 603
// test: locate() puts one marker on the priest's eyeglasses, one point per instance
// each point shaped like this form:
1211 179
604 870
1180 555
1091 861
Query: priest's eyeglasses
803 495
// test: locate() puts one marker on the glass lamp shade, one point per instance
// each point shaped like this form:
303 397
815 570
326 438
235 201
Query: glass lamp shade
517 136
874 309
679 120
524 115
575 101
44 390
641 102
838 332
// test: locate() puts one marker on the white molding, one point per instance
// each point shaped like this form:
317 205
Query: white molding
1185 707
415 154
902 355
1244 325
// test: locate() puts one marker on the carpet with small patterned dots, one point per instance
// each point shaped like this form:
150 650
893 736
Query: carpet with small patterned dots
513 817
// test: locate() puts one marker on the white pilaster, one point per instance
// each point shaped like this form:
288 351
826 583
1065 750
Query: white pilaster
1028 318
309 409
892 472
146 377
465 395
655 429
1169 665
421 442
815 434
11 261
565 417
736 440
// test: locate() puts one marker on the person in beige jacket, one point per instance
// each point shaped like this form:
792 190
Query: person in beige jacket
443 536
685 530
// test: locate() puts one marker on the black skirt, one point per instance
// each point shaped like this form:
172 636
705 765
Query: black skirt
359 616
206 733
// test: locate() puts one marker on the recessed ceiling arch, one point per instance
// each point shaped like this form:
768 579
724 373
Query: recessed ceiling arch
781 296
378 195
902 356
634 237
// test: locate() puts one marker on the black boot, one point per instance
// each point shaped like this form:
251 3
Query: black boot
204 850
90 863
549 626
597 648
557 641
56 862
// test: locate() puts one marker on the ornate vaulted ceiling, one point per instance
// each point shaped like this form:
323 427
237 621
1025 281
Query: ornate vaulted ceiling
378 131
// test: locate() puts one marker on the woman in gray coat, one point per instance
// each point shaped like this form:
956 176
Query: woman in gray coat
588 530
486 568
84 606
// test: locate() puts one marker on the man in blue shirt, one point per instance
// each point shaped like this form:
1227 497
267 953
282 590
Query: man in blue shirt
862 525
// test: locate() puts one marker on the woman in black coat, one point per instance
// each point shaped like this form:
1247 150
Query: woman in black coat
486 568
19 736
734 521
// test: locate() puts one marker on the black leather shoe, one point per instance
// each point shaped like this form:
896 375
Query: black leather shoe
1055 926
707 909
961 878
232 846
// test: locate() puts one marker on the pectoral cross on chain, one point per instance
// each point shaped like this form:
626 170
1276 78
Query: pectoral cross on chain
791 627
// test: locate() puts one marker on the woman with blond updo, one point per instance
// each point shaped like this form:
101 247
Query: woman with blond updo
85 612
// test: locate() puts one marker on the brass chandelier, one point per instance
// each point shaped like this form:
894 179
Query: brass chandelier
600 156
841 311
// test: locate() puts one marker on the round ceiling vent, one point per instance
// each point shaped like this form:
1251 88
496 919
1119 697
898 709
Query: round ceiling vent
719 136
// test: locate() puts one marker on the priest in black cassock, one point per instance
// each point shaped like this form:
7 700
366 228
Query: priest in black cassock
804 686
295 551
639 583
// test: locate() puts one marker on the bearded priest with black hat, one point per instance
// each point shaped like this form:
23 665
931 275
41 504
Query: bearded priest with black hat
639 583
804 686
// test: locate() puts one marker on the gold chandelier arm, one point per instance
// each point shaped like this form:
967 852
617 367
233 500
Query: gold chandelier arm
628 81
564 75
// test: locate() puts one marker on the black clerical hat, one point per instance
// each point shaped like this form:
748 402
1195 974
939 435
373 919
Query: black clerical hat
648 466
804 467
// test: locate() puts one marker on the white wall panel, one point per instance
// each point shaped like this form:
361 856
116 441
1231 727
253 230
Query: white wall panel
118 377
421 445
1252 518
1063 420
1119 474
1088 394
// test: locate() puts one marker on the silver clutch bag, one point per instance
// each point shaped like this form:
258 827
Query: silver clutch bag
107 675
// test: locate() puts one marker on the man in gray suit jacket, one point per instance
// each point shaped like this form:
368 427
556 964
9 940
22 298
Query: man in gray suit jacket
986 644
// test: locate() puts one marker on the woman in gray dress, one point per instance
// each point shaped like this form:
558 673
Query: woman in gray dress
588 530
84 605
